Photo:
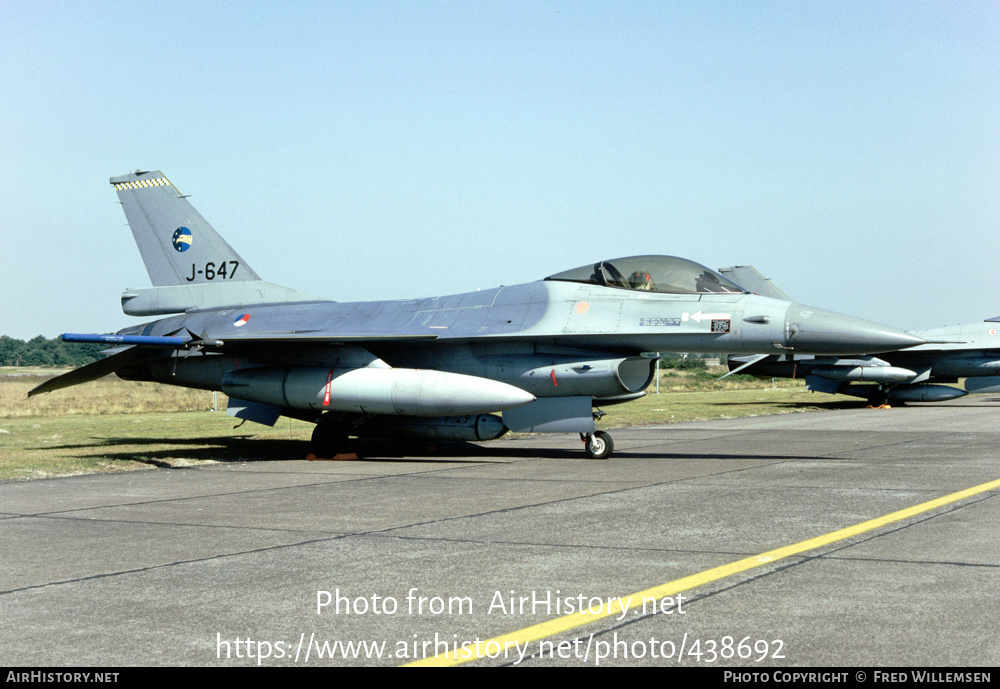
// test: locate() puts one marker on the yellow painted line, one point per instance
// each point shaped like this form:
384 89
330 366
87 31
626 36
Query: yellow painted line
671 588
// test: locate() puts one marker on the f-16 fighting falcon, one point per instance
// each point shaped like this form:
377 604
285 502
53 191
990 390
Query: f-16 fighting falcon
539 357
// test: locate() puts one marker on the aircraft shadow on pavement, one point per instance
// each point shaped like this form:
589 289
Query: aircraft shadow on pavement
162 451
799 405
165 452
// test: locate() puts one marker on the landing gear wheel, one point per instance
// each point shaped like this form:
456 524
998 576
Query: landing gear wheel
877 398
599 445
329 438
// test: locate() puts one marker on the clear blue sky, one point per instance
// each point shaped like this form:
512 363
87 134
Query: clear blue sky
382 150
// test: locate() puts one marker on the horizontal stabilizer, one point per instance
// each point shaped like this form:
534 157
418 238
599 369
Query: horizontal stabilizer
155 301
820 384
552 415
258 412
90 372
753 360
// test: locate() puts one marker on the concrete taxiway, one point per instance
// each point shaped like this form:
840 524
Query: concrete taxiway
494 548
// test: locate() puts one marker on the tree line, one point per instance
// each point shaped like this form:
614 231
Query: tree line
39 351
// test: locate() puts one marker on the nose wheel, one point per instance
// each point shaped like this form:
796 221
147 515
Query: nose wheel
598 445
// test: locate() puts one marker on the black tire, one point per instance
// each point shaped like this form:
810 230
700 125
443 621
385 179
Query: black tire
599 445
877 397
329 438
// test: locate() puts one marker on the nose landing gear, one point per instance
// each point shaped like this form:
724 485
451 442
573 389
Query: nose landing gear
598 445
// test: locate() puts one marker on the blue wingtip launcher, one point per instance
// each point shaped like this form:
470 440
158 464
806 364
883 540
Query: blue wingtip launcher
174 342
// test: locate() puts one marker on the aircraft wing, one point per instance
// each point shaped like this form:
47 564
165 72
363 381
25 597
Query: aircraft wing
322 337
139 346
288 337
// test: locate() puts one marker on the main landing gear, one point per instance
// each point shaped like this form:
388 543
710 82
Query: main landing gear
599 444
878 399
329 438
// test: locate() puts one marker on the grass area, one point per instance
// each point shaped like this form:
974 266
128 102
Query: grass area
677 406
115 425
87 443
109 395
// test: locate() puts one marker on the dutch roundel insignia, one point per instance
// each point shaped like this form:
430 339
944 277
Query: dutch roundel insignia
182 239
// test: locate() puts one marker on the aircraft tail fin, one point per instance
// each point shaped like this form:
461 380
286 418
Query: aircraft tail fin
178 246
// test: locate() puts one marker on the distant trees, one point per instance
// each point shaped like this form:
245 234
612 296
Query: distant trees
39 351
684 362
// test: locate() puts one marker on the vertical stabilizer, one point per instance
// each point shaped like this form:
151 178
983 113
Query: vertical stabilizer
178 246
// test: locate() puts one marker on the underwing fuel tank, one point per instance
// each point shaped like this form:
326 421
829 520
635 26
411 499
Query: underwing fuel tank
924 393
905 393
470 427
397 391
869 374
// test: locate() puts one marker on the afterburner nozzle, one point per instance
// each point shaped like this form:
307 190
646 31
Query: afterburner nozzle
809 330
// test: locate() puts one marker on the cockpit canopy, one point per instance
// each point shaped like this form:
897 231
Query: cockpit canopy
667 274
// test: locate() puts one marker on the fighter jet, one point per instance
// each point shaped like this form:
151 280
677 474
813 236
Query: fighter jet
541 357
970 351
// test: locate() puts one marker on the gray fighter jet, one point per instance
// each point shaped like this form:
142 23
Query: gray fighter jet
545 355
918 374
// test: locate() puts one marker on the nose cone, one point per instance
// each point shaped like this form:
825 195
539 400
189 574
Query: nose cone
810 330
